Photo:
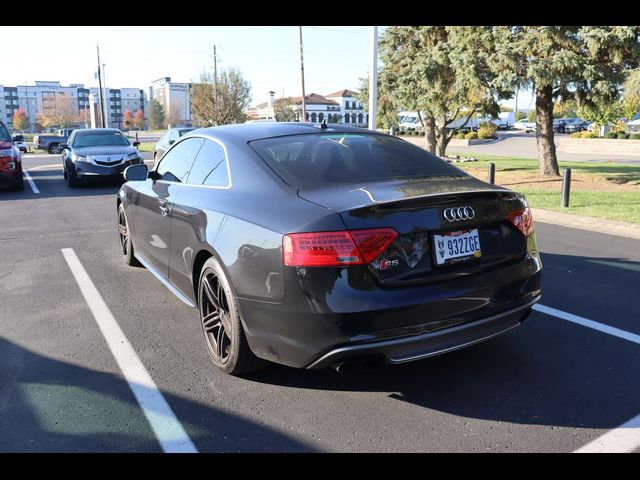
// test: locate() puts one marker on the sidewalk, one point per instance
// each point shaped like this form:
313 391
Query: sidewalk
610 227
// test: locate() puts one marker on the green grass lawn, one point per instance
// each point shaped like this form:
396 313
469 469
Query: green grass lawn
623 205
623 173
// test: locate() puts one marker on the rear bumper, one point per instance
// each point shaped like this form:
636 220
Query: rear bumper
417 347
10 178
327 316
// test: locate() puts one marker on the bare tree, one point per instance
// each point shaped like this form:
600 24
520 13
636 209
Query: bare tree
221 102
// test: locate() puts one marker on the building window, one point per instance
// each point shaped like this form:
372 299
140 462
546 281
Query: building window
359 118
320 117
347 118
314 117
346 105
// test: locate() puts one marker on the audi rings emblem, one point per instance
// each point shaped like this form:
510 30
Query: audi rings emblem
459 213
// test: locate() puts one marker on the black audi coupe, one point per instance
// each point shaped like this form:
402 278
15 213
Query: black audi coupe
326 245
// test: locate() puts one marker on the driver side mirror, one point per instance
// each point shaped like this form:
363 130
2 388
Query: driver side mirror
135 144
136 173
171 142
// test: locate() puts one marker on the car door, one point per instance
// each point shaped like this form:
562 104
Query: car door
196 215
152 215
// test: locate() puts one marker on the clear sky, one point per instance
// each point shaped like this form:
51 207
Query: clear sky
268 57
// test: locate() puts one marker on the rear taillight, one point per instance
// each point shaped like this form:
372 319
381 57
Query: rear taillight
523 220
7 160
332 249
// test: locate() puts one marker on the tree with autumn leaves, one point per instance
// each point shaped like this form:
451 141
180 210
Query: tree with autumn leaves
21 120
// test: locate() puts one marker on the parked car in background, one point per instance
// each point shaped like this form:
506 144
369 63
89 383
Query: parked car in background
573 125
18 140
10 161
168 139
559 124
50 143
633 125
97 154
525 125
316 246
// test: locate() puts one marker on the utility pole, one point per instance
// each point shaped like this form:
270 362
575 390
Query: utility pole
215 66
100 88
215 78
373 79
304 106
105 97
515 114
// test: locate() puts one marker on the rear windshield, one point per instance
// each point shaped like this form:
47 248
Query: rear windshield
4 134
309 161
100 139
182 132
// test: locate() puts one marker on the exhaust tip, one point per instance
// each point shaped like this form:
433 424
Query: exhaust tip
359 364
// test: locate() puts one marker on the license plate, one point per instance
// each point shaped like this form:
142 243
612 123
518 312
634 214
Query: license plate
458 246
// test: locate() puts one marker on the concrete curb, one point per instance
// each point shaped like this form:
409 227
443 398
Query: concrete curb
592 224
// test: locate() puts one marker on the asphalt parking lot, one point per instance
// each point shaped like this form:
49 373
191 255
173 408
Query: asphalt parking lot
559 383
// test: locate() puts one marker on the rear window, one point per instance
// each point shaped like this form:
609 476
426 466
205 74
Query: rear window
309 161
4 134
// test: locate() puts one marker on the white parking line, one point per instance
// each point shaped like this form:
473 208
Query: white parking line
585 322
32 184
40 167
626 437
168 430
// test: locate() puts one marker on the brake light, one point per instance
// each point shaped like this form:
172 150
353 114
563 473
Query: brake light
523 220
332 249
7 160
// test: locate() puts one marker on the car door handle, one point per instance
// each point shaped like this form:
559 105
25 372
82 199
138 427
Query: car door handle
164 210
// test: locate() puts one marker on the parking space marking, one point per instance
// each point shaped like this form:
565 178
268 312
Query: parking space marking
167 428
32 184
625 438
585 322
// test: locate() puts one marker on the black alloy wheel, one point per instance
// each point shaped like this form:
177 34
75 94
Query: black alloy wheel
220 322
126 246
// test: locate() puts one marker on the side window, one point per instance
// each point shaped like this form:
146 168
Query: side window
176 163
210 167
173 135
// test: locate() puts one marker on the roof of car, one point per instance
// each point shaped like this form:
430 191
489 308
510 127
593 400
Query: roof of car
248 132
97 130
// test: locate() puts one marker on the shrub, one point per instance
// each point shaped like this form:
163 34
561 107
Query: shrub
609 135
576 135
587 134
459 136
634 136
471 136
487 130
619 127
623 136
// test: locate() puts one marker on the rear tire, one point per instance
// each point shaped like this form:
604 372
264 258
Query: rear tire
52 148
124 235
220 321
19 184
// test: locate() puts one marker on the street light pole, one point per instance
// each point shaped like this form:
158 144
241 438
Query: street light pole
373 79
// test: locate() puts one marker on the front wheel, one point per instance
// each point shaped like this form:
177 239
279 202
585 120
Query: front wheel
53 148
220 321
124 235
